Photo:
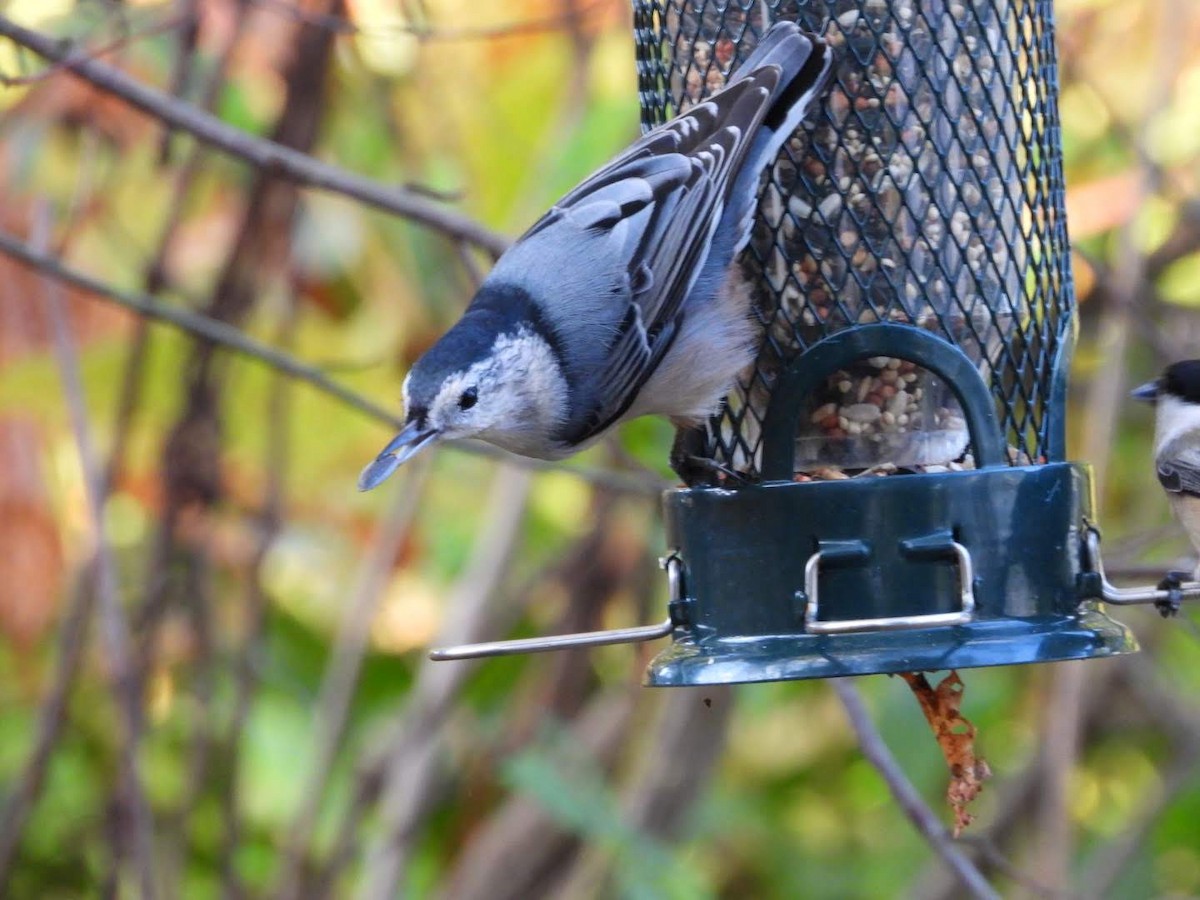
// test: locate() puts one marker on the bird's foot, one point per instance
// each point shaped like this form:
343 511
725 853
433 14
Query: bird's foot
1173 585
699 471
693 467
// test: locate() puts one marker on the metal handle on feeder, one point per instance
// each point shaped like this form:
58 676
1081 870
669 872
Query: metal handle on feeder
966 580
842 348
1110 593
639 634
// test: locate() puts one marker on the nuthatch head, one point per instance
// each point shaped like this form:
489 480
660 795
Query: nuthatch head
485 379
625 298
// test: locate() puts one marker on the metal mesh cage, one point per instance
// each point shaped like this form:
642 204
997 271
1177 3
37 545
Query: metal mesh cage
927 190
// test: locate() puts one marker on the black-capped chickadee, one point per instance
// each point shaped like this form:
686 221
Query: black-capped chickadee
624 299
1176 397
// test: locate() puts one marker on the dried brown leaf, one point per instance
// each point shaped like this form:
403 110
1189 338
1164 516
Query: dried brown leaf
31 554
956 738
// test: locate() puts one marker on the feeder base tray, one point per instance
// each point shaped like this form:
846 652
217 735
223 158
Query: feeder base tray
1089 634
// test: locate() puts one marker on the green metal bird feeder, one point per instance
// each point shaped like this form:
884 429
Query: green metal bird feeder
893 493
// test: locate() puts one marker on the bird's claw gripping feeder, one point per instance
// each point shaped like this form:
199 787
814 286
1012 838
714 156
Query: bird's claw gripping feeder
895 494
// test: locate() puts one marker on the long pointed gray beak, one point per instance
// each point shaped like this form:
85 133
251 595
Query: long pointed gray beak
411 440
1147 392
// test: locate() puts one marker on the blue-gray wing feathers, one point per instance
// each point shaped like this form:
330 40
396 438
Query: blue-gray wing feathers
645 226
1180 475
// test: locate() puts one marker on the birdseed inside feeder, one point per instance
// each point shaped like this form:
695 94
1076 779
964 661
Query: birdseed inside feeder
915 197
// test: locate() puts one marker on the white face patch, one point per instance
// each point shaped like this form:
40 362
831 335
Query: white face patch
404 391
1174 418
519 397
447 411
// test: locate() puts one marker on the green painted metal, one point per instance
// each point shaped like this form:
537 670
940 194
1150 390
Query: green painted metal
1056 426
744 554
891 550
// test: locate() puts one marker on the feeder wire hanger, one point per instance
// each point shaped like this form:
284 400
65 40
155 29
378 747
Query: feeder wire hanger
1166 596
637 635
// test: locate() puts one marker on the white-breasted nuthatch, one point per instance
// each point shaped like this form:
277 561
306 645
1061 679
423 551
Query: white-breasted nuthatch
1176 397
625 298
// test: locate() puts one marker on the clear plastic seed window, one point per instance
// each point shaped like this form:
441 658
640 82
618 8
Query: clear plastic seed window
926 191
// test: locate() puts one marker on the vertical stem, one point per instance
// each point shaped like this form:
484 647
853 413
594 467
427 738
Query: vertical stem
906 796
341 676
409 780
114 627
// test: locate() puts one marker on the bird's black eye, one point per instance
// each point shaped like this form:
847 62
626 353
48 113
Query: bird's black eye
468 398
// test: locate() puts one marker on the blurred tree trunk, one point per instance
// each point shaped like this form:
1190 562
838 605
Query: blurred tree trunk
191 455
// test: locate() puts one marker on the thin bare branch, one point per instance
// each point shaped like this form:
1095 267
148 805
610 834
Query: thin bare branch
114 627
416 739
72 642
192 323
288 163
341 675
1061 729
255 605
80 54
906 796
474 273
192 461
172 848
507 609
154 276
998 862
183 64
73 631
231 338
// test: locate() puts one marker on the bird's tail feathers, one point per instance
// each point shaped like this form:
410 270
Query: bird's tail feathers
806 64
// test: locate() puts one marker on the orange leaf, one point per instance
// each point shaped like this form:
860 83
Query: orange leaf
956 738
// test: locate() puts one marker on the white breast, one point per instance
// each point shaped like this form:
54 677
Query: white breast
716 342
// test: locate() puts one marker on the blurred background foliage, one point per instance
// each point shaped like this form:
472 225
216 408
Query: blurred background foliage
286 735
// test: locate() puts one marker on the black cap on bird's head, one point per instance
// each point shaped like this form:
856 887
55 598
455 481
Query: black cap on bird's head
1180 380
